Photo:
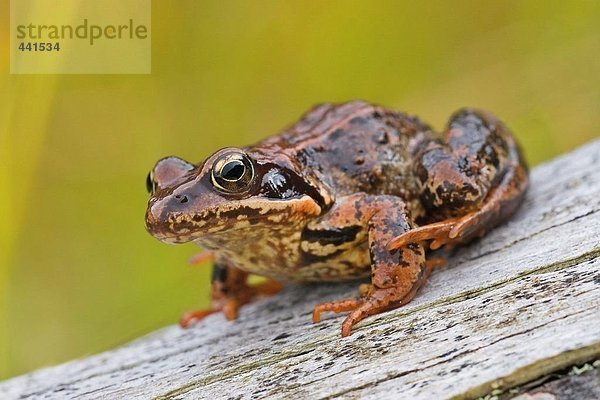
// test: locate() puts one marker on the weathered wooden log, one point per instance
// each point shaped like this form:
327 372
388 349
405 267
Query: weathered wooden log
520 303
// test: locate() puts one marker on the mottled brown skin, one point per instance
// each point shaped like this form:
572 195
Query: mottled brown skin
349 190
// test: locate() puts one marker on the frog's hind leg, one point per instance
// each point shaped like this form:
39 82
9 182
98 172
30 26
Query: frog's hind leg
230 291
470 184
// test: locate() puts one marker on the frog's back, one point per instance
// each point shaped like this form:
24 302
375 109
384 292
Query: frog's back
356 147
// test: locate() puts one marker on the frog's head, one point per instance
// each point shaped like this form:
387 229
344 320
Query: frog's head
233 189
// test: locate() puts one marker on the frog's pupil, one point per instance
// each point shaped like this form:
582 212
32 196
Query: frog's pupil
233 170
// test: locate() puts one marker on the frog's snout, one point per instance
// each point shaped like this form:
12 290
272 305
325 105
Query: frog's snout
154 217
163 211
168 219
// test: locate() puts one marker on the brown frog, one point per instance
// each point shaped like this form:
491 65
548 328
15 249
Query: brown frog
349 191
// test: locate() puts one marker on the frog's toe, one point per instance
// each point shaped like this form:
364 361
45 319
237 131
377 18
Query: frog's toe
437 232
447 233
229 308
191 317
369 307
336 307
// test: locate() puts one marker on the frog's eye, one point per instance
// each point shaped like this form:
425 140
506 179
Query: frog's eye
150 185
233 172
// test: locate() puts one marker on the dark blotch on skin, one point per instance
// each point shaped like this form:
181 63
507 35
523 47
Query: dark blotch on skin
219 273
358 120
197 217
338 133
313 258
335 237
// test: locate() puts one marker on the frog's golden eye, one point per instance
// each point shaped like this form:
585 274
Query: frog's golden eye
233 172
150 185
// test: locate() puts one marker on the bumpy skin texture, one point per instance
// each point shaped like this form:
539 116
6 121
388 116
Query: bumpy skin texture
349 190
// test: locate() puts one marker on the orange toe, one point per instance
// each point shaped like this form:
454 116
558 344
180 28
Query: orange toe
335 306
190 317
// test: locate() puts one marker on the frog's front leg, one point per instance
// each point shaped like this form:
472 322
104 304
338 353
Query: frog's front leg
470 183
229 291
395 275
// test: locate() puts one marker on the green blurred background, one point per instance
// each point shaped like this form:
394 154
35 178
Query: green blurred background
78 272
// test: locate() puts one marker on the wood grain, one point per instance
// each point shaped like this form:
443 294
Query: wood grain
522 302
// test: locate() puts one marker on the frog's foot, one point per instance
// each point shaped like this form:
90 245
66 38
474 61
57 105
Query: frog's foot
229 306
230 291
377 301
374 300
444 233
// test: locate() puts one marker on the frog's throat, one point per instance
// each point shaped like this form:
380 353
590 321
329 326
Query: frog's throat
244 215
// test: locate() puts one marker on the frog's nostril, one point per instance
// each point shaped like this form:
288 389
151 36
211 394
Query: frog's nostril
182 198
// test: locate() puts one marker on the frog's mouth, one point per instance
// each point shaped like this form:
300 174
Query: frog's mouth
176 227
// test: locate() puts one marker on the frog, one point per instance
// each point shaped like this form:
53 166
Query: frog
350 191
